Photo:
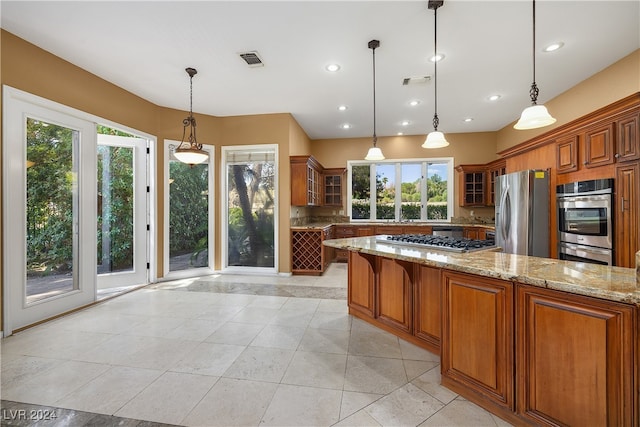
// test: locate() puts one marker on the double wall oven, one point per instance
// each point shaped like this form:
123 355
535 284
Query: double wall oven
585 230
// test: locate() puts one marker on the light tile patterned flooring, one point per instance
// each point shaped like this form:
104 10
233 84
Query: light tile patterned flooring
227 350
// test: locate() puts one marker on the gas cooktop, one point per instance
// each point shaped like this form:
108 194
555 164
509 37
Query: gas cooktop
443 243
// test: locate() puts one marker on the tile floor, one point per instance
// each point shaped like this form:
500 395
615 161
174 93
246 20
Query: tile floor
226 350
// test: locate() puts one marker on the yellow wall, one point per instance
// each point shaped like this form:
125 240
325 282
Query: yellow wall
615 82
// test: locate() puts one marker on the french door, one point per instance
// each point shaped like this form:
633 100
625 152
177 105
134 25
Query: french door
49 210
121 211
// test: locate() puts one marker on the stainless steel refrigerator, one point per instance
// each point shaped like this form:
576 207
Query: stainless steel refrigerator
522 212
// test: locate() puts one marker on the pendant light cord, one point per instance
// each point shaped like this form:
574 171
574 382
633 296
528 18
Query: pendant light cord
375 137
191 96
436 120
373 44
533 92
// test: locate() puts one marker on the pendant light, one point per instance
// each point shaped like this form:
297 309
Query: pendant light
436 138
190 151
374 153
534 116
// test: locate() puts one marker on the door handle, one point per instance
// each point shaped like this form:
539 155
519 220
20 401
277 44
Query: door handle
622 204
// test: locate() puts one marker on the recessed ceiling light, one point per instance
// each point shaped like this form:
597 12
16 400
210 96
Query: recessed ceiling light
414 102
494 97
332 67
553 46
405 123
468 119
400 133
437 57
343 108
345 126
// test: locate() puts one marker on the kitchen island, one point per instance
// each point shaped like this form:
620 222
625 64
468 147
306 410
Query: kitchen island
309 257
534 340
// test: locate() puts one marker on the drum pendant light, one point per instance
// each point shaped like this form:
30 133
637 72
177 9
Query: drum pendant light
534 116
436 138
374 153
190 151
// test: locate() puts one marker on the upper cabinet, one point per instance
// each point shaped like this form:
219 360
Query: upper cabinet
627 138
313 185
333 186
494 170
306 182
605 143
598 146
567 154
471 185
477 183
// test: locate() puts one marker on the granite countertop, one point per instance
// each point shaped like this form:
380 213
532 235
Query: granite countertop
323 225
610 283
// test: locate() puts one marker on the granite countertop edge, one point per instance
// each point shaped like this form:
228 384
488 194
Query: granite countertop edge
616 284
323 225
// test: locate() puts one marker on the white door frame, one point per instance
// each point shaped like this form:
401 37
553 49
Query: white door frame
14 177
224 202
17 312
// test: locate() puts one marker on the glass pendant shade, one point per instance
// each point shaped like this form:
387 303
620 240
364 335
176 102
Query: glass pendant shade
191 156
374 154
535 116
435 139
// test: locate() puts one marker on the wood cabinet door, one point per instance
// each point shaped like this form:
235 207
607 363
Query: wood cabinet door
628 138
360 290
477 337
598 146
472 188
626 206
471 233
388 229
575 359
567 154
427 293
417 229
298 184
494 170
394 294
365 231
343 231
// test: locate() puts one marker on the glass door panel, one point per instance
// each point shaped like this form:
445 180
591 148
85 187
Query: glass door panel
251 208
122 210
52 207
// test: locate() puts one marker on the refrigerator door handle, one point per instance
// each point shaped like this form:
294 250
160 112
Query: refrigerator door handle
505 213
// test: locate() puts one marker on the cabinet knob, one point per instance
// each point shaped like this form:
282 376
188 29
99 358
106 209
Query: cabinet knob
617 156
585 163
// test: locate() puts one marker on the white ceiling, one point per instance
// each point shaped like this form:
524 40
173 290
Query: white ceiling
145 46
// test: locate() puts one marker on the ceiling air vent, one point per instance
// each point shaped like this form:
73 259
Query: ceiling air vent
415 80
252 59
